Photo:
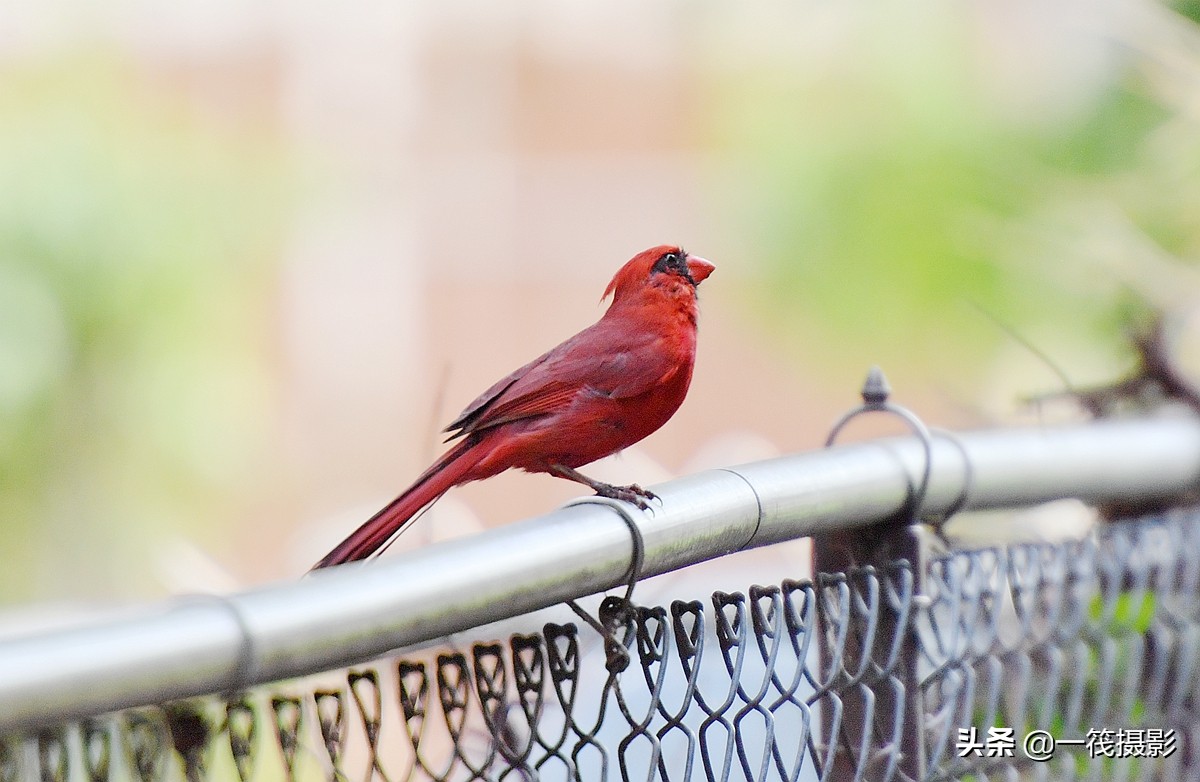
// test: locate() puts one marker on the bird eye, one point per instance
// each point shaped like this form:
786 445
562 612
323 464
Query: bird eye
671 261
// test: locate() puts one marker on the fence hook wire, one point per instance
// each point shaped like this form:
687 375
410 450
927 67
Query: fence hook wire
875 393
968 480
616 613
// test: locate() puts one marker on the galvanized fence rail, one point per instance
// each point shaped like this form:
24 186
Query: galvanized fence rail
898 661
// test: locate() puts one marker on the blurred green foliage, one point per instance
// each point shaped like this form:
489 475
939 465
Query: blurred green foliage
894 182
137 241
1188 8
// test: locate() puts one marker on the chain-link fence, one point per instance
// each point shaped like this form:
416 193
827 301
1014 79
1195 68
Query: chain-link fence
1062 660
1095 640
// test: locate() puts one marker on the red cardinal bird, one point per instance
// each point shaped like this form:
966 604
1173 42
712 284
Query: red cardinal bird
601 391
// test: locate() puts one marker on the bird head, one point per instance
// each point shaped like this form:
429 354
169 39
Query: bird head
646 268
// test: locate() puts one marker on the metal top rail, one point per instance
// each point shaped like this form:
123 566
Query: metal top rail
207 644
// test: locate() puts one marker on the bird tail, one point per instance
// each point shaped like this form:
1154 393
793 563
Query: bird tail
376 531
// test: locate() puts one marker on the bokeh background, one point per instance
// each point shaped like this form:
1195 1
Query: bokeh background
254 255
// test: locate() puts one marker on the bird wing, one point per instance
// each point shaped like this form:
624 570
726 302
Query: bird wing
474 411
602 361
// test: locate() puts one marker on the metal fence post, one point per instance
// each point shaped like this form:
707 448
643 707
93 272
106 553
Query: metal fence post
882 707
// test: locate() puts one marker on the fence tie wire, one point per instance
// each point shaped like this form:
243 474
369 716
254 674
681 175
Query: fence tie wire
616 614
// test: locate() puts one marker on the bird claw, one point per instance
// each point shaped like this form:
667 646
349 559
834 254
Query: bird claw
633 494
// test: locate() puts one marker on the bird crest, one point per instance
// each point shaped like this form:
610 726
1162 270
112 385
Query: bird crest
637 269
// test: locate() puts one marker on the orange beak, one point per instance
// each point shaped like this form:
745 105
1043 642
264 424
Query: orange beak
699 268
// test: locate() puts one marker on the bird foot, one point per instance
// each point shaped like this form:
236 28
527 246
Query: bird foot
633 494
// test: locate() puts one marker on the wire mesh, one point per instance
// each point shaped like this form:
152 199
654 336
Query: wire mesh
1095 641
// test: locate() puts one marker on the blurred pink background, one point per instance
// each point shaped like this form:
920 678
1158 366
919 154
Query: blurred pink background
439 192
